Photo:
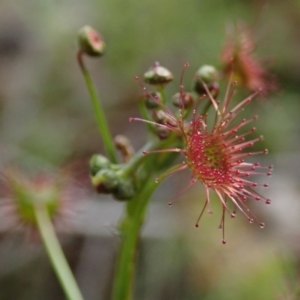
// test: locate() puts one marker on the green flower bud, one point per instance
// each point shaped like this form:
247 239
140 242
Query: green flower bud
108 178
208 75
214 89
97 163
162 133
150 102
184 100
105 181
161 117
125 190
91 42
158 75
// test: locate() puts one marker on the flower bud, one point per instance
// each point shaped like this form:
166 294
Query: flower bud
90 41
162 133
161 117
158 75
125 190
149 100
208 75
97 163
105 181
123 144
184 100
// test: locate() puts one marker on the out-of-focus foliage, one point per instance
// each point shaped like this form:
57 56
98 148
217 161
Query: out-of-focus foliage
46 123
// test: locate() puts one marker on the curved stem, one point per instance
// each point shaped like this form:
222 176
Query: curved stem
56 254
99 112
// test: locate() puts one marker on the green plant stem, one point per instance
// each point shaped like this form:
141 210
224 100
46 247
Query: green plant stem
99 112
161 90
56 254
136 210
130 232
139 157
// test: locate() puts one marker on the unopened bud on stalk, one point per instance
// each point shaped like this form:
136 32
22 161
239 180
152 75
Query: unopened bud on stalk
161 117
208 75
123 144
98 162
125 190
108 178
182 100
158 75
162 133
91 42
151 100
105 181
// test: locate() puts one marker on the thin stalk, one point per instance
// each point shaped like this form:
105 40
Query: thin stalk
56 255
133 221
161 90
99 112
130 230
146 116
139 157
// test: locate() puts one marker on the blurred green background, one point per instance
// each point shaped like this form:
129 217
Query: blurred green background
47 123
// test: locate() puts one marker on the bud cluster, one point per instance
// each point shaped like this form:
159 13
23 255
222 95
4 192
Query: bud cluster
108 178
159 76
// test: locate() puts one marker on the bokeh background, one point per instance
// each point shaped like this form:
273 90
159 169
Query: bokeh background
47 124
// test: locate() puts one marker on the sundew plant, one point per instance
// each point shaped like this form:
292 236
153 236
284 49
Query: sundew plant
205 126
205 130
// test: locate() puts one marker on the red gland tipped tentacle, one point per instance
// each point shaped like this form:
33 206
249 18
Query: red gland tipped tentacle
240 137
211 98
207 203
186 65
167 126
163 151
176 169
223 201
238 108
227 98
201 213
222 225
191 184
234 131
242 146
